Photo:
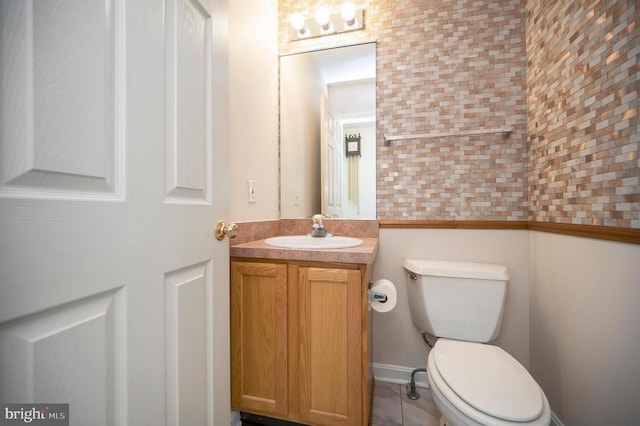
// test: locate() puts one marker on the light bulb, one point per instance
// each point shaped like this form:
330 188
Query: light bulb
322 18
297 22
349 13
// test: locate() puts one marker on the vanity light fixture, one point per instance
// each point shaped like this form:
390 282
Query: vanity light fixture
325 22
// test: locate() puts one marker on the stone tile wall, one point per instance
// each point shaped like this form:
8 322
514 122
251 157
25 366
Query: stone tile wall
462 65
582 87
443 66
449 66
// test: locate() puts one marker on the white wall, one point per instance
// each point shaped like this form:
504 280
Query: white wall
396 341
253 108
353 99
585 328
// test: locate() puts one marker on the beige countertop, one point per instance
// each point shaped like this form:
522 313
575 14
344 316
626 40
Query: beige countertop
365 254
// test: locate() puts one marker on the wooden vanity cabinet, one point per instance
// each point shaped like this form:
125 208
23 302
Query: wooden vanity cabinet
300 341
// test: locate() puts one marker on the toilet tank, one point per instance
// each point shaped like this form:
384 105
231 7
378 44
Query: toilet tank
456 300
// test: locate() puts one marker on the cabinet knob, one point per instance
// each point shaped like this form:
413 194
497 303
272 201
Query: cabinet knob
222 229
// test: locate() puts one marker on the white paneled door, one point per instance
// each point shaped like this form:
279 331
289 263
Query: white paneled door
113 147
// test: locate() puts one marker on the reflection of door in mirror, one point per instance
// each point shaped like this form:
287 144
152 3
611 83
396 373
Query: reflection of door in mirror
330 162
315 173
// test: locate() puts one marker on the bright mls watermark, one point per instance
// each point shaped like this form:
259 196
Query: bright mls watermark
34 414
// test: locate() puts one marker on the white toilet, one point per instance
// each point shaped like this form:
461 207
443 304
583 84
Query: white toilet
472 383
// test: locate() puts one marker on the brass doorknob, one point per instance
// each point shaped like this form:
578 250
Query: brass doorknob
222 229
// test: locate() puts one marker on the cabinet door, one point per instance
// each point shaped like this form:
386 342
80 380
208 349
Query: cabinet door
259 337
330 351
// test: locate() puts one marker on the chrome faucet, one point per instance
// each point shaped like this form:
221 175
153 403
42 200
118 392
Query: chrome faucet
317 230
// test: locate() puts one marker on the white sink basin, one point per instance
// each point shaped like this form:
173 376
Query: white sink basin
309 242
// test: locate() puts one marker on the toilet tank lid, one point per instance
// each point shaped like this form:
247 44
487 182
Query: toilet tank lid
456 269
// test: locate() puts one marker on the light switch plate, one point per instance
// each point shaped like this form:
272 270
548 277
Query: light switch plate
251 187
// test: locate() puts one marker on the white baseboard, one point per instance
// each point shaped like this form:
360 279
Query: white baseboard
398 374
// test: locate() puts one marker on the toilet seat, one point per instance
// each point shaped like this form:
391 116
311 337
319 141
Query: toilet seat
486 384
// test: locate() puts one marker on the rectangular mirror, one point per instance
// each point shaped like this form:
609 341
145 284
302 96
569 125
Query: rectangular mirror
325 97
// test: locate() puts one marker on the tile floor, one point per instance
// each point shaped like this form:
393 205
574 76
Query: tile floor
392 407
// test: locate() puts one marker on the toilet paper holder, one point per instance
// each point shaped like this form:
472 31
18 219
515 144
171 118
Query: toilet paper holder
373 296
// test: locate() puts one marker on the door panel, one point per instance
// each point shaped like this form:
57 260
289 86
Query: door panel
62 136
43 357
188 334
108 262
188 102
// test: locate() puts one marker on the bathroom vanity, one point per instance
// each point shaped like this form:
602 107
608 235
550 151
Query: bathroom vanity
301 333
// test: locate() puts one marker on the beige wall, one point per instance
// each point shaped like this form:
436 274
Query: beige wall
571 313
585 328
396 341
301 89
253 108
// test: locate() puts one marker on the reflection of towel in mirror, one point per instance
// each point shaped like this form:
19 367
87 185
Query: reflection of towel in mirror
354 193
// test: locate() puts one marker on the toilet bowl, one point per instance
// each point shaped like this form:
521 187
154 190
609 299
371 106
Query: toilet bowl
478 384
